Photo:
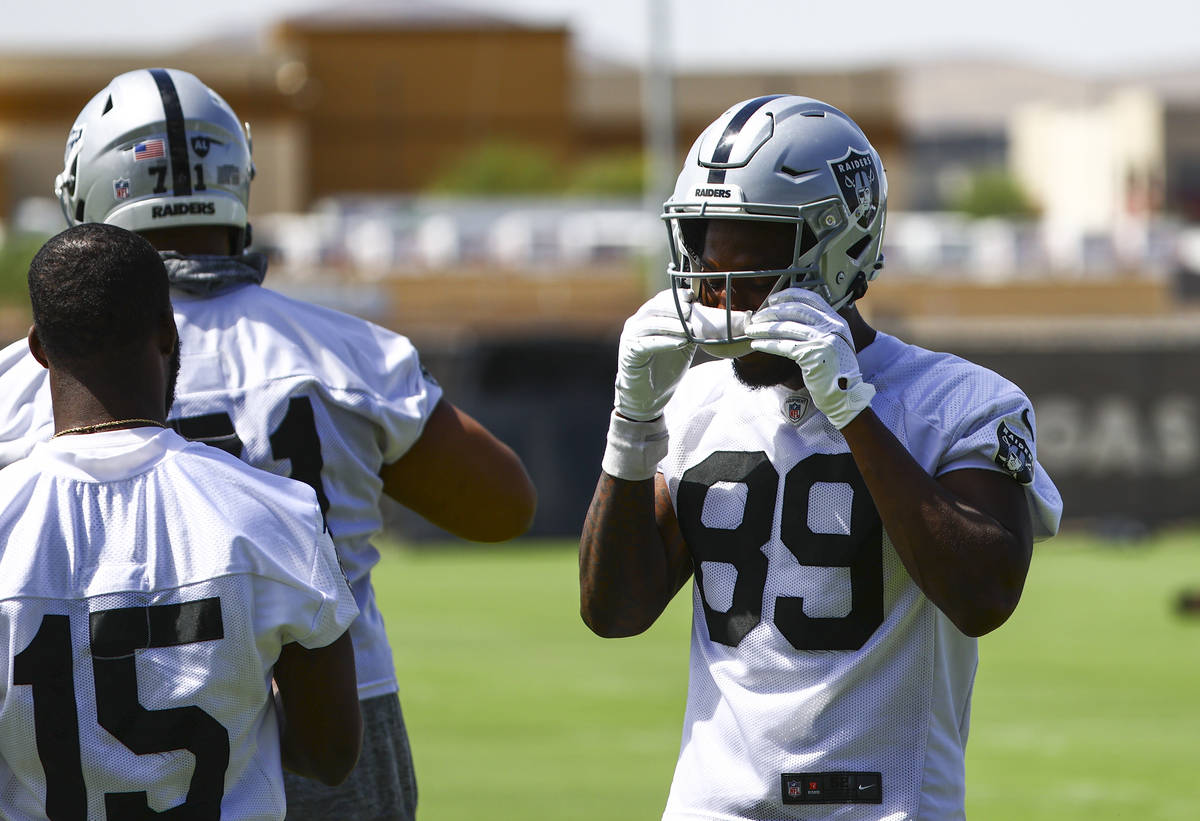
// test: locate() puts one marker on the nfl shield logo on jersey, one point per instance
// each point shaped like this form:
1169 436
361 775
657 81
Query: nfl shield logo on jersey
859 185
794 408
121 189
793 789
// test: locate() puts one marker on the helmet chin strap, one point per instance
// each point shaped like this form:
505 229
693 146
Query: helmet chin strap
858 287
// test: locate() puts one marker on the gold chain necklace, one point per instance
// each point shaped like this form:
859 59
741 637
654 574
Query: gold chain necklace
99 426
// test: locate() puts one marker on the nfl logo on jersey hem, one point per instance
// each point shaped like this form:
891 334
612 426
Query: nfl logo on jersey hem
832 788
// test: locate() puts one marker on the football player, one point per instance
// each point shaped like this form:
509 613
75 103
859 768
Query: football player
855 510
150 587
306 392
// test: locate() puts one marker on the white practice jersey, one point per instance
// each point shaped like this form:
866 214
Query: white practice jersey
293 388
824 684
147 585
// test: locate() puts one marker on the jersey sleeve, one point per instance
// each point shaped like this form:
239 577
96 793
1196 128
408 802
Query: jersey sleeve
332 606
26 417
402 393
997 432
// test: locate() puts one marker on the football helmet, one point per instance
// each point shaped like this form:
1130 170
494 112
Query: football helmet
156 149
785 159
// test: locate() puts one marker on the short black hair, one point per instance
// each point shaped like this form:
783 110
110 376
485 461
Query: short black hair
96 289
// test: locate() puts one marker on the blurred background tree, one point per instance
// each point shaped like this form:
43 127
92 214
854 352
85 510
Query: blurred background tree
16 251
994 192
618 174
498 168
506 168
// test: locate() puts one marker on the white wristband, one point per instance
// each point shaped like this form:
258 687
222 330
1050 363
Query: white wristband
634 448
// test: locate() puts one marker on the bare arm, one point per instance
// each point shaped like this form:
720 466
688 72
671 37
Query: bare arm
463 479
632 557
965 537
321 725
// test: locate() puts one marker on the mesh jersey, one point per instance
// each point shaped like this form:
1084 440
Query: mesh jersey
147 585
813 651
295 389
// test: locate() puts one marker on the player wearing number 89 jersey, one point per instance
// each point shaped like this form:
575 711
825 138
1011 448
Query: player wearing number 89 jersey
813 650
855 510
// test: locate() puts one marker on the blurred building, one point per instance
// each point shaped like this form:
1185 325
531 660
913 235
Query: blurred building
607 108
373 98
1095 171
381 98
356 109
956 116
389 95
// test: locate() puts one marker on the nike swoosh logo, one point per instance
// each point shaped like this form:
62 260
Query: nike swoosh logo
866 786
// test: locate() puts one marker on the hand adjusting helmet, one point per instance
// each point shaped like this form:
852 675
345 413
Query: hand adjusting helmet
156 149
783 159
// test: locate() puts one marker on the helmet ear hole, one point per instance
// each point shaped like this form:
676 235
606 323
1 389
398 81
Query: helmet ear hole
855 251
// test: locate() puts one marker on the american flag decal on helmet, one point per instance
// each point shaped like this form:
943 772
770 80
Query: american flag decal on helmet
148 150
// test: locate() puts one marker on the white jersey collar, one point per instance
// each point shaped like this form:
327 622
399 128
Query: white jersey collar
109 455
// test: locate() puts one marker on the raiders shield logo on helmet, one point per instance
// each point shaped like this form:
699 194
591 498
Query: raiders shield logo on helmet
858 184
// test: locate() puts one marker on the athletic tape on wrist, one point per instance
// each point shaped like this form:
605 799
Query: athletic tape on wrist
634 448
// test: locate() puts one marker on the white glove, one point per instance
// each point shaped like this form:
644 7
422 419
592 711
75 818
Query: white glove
799 324
653 356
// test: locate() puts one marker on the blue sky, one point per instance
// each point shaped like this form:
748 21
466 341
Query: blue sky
802 34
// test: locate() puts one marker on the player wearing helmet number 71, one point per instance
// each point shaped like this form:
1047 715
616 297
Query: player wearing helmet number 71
295 389
855 510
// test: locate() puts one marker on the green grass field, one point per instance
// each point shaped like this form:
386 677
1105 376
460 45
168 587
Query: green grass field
1085 704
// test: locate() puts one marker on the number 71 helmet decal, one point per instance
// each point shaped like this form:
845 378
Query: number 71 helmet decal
792 160
156 149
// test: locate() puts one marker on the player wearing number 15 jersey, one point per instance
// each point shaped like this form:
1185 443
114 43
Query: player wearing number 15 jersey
152 588
855 510
313 394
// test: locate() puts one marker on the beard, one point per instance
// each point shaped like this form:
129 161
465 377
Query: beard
764 370
172 377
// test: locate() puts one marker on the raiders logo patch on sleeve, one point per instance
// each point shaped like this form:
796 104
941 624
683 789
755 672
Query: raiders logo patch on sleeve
1013 455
